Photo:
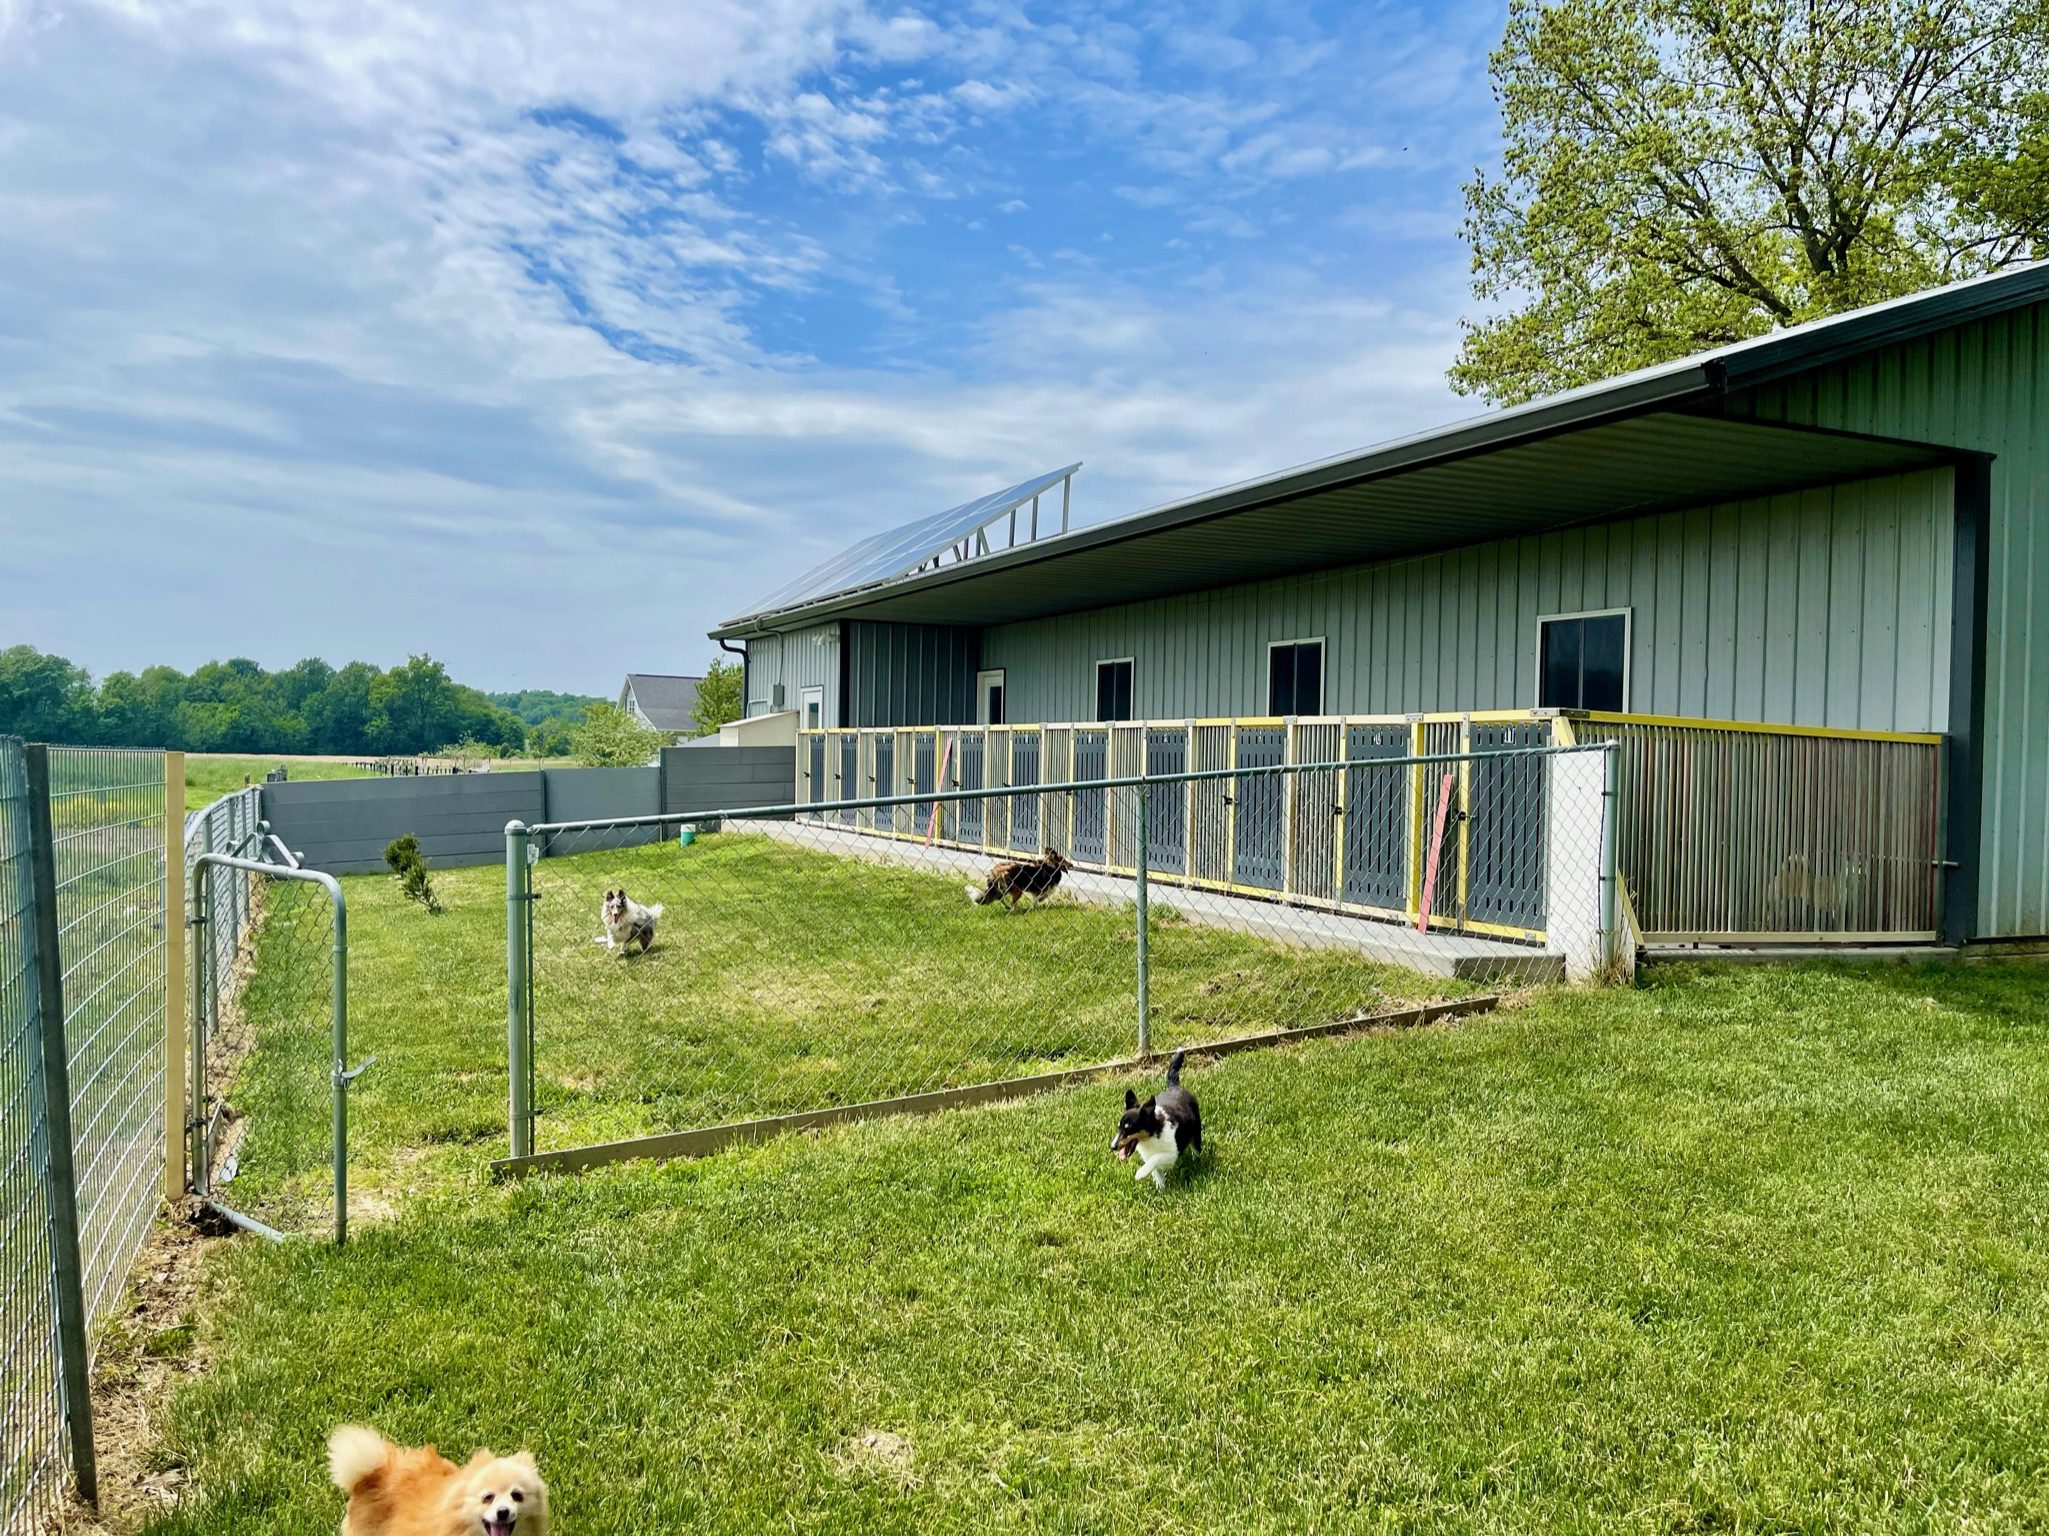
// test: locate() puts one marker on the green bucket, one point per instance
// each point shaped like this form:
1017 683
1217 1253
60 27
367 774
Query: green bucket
686 837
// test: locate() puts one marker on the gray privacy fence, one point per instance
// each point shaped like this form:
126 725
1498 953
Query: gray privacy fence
342 825
818 962
88 932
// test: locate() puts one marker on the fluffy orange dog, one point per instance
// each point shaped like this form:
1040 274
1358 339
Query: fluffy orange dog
395 1492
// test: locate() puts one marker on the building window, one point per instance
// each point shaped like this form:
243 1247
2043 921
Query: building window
1294 677
1583 661
1113 689
814 708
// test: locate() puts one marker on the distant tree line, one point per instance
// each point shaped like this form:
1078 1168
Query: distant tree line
237 706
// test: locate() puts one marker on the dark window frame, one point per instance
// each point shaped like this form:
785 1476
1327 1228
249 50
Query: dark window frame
1322 673
1130 665
1581 617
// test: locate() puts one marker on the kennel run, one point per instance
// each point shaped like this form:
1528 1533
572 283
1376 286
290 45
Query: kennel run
875 883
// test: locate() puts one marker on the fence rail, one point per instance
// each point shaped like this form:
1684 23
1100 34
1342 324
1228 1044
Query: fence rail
1727 832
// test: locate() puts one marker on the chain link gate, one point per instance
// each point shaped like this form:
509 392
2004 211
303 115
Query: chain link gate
269 1072
823 960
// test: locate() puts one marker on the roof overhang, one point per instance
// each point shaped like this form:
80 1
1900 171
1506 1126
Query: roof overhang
1409 498
1646 442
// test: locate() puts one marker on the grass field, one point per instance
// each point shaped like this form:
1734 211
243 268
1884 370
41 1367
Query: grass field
209 776
1753 1250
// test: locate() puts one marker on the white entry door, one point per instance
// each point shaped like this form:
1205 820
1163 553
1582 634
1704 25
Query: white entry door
989 697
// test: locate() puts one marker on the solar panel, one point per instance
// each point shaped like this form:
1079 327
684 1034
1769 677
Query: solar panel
899 551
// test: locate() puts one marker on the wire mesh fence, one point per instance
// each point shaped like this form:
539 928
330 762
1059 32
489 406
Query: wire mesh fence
29 1480
107 816
673 976
231 826
85 943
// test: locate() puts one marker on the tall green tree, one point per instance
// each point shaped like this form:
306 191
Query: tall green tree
45 698
411 708
1678 174
338 717
719 696
236 706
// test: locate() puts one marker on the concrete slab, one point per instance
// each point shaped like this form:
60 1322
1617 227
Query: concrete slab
1462 957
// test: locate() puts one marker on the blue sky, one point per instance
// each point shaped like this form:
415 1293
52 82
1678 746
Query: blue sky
541 336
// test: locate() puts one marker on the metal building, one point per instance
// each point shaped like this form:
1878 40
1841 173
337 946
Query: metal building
1827 545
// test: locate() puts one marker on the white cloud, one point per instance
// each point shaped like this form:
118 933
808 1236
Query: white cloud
347 320
981 96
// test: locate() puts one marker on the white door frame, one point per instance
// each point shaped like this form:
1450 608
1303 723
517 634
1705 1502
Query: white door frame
982 681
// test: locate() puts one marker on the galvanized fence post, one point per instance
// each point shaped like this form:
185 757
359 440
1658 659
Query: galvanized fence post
60 1182
1141 860
342 1075
201 925
518 1001
1611 874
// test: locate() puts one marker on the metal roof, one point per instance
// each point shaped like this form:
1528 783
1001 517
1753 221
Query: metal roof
1640 443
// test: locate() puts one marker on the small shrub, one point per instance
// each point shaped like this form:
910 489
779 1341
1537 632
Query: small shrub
409 866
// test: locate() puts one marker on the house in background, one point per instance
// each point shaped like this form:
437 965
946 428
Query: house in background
662 701
1800 578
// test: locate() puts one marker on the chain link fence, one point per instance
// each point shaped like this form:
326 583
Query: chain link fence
268 1029
788 962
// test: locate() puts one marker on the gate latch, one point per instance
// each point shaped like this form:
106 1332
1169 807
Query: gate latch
343 1079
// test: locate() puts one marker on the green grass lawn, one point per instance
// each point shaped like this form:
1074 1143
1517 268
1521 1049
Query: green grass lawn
1761 1249
208 776
784 979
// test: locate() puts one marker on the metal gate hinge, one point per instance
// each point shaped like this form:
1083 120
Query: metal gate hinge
349 1077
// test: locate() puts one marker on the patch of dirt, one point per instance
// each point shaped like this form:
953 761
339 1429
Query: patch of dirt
147 1352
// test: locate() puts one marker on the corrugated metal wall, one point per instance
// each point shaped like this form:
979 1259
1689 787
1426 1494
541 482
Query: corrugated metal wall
911 674
1983 386
804 658
1827 607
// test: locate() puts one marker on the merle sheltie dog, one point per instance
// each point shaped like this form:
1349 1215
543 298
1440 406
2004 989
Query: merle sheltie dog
627 923
1016 878
1158 1131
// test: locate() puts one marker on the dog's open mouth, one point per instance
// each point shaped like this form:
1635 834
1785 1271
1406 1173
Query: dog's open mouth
500 1524
1124 1150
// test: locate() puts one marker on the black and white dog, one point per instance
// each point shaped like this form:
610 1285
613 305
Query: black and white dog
627 923
1161 1129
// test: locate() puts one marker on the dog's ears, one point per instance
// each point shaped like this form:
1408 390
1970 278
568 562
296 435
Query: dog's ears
1130 1099
526 1459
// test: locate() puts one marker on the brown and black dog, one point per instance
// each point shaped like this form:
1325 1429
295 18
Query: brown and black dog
1015 878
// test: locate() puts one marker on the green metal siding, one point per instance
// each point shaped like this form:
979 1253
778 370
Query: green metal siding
1983 386
1826 607
911 674
803 658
